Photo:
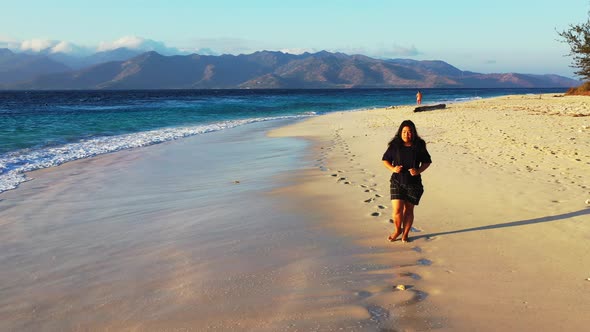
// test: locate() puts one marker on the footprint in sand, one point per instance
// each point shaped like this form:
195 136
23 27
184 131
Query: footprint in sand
409 275
424 262
417 296
363 294
375 214
382 207
344 180
369 200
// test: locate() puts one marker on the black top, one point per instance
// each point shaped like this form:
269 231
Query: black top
409 157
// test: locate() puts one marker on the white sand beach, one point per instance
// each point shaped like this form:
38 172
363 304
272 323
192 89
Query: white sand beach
504 225
157 239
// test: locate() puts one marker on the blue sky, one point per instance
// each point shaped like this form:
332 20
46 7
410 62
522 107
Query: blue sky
482 36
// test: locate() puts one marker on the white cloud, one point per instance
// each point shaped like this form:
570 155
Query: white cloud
7 42
63 47
298 51
51 47
37 45
138 43
48 46
131 42
203 46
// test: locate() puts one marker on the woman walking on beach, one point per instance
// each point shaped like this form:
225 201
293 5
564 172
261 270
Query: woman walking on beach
419 98
407 157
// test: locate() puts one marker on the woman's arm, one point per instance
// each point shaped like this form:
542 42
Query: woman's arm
394 169
422 168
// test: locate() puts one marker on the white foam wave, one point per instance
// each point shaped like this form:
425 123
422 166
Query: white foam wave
462 99
455 100
13 165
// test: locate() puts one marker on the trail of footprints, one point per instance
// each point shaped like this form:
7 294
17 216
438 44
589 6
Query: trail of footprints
531 158
368 185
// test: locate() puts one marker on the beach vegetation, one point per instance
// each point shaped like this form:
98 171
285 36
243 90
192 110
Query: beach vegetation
578 38
583 89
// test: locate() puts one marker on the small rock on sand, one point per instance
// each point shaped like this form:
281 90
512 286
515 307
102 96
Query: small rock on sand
400 287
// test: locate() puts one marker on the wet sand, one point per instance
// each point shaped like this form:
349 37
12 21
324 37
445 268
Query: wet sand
200 234
503 226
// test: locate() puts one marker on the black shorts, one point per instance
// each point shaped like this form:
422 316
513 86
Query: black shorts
406 192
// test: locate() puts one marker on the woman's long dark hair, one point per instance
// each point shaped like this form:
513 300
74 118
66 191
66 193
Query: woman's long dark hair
397 139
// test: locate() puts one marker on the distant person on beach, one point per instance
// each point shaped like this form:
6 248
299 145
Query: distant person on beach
407 157
419 98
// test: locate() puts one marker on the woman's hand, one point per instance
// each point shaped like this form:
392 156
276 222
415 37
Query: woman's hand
414 172
394 169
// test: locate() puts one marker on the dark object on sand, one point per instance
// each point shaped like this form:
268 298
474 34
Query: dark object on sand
430 107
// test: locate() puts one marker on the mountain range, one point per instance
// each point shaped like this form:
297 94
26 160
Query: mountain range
126 69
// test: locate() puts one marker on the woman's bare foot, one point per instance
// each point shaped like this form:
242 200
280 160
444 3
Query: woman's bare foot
405 239
394 236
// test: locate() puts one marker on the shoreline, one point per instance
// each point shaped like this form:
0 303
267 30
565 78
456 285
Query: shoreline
21 153
172 236
501 224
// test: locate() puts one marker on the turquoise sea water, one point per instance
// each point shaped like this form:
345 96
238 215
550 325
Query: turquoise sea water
40 129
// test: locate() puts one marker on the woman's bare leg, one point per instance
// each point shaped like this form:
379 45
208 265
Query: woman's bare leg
408 218
398 217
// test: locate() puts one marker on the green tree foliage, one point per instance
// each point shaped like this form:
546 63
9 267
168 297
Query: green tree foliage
578 37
